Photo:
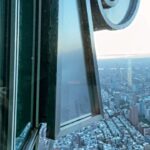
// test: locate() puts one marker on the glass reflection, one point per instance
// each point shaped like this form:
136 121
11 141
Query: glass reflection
72 82
117 13
3 80
24 101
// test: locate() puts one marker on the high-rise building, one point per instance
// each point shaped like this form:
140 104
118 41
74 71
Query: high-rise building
129 73
134 115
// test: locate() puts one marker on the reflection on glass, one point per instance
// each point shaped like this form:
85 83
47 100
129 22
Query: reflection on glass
117 13
24 100
72 81
3 76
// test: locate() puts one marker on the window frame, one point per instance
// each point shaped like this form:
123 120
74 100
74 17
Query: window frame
50 10
29 141
6 40
91 73
13 74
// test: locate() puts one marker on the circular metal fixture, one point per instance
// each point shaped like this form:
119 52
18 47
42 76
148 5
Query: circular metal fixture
109 3
113 14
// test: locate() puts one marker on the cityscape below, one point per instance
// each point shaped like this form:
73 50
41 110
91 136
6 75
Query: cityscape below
125 92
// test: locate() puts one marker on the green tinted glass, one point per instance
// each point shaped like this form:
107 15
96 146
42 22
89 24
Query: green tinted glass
25 73
3 79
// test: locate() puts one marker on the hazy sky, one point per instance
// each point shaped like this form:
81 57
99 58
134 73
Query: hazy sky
133 40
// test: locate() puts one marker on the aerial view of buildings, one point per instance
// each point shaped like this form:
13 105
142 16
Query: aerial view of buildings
125 86
125 92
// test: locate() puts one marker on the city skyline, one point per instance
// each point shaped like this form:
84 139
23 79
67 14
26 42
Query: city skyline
125 96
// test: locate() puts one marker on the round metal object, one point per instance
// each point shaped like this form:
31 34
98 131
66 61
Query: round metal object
109 3
113 14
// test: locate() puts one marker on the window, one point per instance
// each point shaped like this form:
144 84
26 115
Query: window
49 74
72 80
25 73
69 81
19 74
4 68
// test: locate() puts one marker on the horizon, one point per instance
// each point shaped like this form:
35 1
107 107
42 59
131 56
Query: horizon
117 56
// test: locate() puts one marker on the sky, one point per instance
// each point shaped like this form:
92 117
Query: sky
134 40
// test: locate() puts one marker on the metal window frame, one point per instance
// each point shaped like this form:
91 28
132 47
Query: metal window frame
91 73
14 31
91 70
50 13
31 142
13 75
90 56
34 132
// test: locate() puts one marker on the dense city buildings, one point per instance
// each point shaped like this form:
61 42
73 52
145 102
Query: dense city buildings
125 85
126 105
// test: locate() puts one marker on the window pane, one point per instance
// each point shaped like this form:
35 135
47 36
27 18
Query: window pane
3 79
124 70
24 101
72 81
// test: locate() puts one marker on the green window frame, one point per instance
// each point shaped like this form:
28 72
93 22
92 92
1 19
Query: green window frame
13 12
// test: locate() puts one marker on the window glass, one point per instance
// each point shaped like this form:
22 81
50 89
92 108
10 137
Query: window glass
124 70
24 98
3 80
72 82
